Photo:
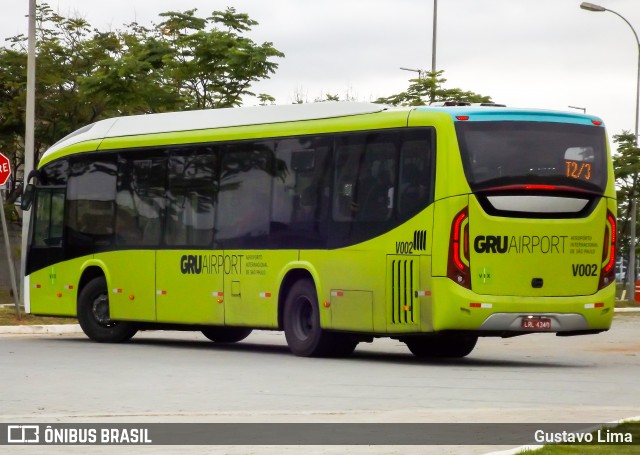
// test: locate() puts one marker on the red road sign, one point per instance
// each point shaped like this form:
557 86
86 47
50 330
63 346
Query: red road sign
5 169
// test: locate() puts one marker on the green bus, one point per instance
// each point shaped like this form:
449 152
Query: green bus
334 222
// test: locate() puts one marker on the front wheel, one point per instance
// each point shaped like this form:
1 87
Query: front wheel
302 328
93 315
441 345
226 334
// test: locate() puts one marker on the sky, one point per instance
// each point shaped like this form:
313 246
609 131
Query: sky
547 54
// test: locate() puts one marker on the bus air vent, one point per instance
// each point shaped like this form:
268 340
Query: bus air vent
404 284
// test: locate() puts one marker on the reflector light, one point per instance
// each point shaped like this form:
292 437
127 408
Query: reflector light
337 294
131 297
265 294
594 305
37 286
596 122
68 286
462 117
161 292
480 305
326 304
59 294
117 291
217 294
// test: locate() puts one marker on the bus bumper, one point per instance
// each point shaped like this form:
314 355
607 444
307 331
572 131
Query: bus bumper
458 308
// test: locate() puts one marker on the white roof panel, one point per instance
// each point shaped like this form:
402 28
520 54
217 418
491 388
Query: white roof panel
214 118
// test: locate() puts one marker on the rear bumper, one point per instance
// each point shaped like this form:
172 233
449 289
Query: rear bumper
458 308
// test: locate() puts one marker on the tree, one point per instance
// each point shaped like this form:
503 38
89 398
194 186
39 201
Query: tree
84 74
626 164
428 89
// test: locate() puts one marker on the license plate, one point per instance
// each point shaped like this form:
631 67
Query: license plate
534 323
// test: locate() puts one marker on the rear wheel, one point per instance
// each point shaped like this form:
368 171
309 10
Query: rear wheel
226 334
446 345
93 315
302 328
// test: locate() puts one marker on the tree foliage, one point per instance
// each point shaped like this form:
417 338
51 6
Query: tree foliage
423 90
84 74
626 164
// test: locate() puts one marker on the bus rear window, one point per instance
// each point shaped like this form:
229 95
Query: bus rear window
496 154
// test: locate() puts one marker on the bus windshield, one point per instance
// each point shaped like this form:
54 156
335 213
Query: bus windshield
505 153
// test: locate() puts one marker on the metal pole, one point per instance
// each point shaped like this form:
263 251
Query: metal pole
7 245
632 256
433 41
433 48
29 138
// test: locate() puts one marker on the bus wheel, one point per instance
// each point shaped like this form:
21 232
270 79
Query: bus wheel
226 334
302 328
442 345
93 315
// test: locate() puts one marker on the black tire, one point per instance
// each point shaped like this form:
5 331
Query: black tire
302 328
226 334
442 345
93 315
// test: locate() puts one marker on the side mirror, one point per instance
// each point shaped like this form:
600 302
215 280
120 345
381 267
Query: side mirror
27 197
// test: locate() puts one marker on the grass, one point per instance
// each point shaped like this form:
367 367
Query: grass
595 448
8 314
8 317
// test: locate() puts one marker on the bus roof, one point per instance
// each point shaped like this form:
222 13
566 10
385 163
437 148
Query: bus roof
171 122
212 118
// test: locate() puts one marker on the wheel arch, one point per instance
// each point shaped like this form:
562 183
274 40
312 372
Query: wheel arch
90 271
293 275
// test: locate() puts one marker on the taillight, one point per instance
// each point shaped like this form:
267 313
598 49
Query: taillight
458 268
608 272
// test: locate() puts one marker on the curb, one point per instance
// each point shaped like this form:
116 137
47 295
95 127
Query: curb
40 329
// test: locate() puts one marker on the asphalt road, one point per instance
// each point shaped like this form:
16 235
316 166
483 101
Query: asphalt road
183 377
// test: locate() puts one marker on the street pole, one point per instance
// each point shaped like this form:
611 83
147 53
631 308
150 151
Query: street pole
7 246
433 48
632 240
29 138
433 41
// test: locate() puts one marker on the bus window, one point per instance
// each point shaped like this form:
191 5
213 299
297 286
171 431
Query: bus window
191 197
364 177
300 195
49 219
244 200
140 200
90 204
415 187
497 154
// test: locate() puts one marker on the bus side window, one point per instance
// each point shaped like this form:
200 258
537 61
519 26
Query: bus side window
243 211
365 170
416 176
191 197
299 201
140 200
90 204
